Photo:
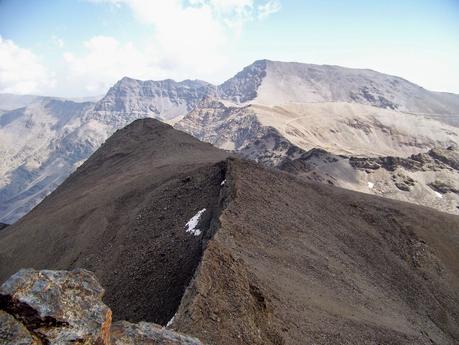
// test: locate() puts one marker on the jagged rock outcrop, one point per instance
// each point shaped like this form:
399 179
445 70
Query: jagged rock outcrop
13 332
58 307
65 307
164 99
429 178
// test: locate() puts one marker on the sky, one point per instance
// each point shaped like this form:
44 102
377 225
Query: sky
79 48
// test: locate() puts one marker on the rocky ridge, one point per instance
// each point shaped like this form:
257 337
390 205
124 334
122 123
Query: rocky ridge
165 99
429 178
233 253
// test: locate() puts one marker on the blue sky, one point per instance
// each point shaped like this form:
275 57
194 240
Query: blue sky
80 47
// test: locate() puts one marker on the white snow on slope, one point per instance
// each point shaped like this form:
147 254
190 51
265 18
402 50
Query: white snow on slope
371 185
193 223
439 195
170 321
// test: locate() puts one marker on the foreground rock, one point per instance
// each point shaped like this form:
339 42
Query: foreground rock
58 307
65 307
14 332
145 333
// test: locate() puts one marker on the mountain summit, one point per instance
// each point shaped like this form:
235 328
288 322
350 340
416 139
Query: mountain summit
274 82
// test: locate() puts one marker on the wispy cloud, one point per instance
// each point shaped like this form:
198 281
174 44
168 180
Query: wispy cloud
57 41
105 60
268 8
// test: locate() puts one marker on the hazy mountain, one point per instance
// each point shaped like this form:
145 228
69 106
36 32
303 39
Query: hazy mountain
40 145
275 83
10 101
240 254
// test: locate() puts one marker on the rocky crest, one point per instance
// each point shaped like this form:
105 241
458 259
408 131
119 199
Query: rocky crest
65 307
438 158
164 99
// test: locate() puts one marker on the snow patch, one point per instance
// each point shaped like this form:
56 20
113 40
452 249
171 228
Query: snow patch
193 222
371 185
223 182
170 321
439 195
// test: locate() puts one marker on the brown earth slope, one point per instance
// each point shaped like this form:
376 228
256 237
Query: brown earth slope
283 261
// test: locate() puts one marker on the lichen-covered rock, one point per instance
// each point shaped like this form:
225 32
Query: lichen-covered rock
143 333
58 307
12 332
65 307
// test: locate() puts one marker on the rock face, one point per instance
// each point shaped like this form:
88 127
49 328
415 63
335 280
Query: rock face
164 99
428 178
13 332
57 307
65 307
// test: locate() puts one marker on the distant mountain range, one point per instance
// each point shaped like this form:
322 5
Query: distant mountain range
272 112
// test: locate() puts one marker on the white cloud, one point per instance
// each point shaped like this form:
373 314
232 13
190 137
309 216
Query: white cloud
190 39
57 41
270 7
106 60
21 71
